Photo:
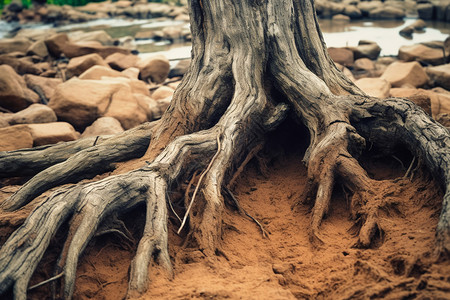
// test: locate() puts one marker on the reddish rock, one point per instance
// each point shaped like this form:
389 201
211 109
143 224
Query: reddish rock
400 73
120 61
162 93
15 137
421 52
80 64
14 95
375 87
341 56
154 69
103 126
440 75
52 133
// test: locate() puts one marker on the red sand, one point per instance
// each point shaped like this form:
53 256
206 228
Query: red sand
285 265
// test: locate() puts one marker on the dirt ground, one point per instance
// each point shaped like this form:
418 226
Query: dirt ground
399 264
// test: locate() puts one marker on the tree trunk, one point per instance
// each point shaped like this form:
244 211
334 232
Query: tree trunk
254 63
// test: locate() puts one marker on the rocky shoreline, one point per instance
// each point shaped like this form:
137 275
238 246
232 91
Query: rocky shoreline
60 87
438 10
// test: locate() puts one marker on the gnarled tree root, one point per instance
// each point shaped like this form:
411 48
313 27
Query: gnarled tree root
232 96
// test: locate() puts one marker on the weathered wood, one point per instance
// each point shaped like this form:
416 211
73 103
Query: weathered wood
252 61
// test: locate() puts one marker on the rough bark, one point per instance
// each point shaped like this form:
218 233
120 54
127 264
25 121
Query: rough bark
252 62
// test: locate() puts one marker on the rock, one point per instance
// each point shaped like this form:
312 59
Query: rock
81 102
364 64
57 43
14 95
340 17
52 133
99 36
120 61
80 64
367 7
375 87
35 113
132 73
137 86
44 87
370 51
20 65
15 137
426 99
38 48
341 56
387 12
425 11
407 31
103 126
162 93
172 33
444 119
180 68
352 11
346 71
98 71
442 105
127 109
440 75
154 69
401 73
421 52
13 45
419 25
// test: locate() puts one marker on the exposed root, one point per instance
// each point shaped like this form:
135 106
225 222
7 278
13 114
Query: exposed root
241 210
198 185
46 281
84 164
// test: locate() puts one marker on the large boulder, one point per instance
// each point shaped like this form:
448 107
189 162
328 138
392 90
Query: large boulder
341 56
80 64
440 75
387 12
421 52
156 69
103 126
405 73
15 137
120 61
14 94
81 102
57 43
14 45
375 87
52 133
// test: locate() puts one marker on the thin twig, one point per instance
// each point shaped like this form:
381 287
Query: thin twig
46 281
398 159
171 206
409 168
199 183
242 210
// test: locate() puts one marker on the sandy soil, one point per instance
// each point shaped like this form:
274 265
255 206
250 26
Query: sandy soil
285 265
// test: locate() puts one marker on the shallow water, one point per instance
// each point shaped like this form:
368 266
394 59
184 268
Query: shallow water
336 33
